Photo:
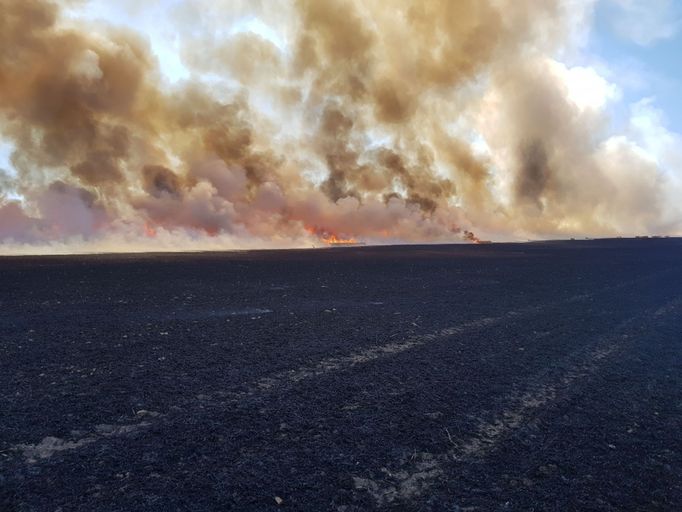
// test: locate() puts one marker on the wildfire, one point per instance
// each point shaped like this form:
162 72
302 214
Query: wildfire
329 237
332 239
471 237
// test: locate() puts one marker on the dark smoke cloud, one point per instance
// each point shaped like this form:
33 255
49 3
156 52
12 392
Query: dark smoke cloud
534 173
159 180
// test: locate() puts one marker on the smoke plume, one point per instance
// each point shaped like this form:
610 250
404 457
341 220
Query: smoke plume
406 120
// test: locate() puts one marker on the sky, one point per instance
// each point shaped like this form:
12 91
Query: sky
635 45
567 124
639 42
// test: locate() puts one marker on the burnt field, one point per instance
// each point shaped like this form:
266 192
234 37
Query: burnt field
539 376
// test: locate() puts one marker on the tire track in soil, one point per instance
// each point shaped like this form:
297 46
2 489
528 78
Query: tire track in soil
282 381
410 479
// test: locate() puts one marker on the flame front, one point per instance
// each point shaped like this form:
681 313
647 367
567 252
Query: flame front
332 239
329 237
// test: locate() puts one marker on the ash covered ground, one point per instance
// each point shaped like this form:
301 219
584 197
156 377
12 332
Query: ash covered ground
540 376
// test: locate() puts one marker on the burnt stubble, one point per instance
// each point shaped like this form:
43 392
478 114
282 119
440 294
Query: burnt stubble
539 376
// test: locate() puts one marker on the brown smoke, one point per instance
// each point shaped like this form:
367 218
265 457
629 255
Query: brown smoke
352 130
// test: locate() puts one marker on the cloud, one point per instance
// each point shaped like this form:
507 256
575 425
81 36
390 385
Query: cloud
646 22
585 86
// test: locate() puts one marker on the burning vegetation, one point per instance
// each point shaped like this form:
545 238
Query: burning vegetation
358 134
332 239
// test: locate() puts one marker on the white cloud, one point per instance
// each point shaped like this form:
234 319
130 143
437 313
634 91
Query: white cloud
585 87
648 127
646 22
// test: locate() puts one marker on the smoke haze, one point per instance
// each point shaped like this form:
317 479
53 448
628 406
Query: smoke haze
410 121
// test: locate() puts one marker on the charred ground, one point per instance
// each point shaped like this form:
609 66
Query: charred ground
504 377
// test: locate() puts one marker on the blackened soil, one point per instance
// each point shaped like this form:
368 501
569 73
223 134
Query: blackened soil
503 377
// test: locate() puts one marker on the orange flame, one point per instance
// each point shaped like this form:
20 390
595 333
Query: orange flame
329 237
332 239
